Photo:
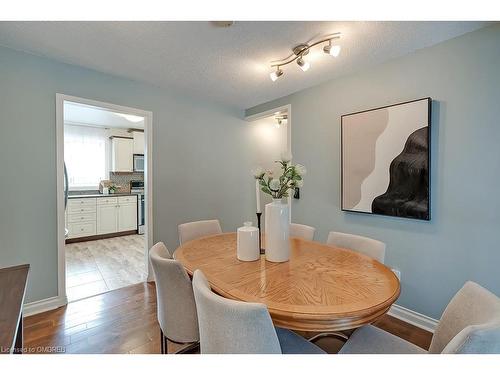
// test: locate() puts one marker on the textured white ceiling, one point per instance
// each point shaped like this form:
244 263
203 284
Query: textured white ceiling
80 114
229 65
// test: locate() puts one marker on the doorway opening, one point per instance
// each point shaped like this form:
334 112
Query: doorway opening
271 130
104 196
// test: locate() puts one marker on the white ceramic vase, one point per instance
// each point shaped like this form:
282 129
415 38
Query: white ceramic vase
247 243
277 231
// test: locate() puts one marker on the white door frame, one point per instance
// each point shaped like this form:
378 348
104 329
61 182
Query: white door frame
288 110
148 177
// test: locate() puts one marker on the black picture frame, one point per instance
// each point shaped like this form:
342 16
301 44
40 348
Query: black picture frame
429 143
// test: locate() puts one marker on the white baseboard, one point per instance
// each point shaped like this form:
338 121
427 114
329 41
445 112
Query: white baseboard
414 318
43 305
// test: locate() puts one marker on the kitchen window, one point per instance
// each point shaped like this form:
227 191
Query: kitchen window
86 154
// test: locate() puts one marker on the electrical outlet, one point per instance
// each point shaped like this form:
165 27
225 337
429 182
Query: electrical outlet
397 273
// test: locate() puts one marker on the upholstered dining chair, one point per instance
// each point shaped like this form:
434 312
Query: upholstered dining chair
176 308
234 327
364 245
470 324
196 229
302 231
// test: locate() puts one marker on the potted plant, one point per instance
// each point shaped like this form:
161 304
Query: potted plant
112 189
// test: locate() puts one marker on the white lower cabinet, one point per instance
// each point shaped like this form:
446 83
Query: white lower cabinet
107 219
127 216
81 229
81 217
119 215
103 215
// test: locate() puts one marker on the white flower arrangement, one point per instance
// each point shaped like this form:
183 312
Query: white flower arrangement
291 177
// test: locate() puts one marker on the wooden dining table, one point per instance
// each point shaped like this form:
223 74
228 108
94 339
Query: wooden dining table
321 288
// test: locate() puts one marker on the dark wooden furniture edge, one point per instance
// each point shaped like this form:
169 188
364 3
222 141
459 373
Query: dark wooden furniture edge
12 342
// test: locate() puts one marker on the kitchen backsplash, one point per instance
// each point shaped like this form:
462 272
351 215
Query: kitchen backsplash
119 179
123 179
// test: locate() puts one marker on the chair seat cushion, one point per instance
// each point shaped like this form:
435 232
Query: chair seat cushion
292 343
373 340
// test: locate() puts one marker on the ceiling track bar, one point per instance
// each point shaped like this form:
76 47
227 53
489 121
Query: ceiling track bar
299 53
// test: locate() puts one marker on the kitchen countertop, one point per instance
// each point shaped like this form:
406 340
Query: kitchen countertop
79 196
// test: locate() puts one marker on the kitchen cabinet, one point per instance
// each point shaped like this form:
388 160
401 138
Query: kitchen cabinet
117 214
81 229
81 217
86 217
122 150
127 216
107 219
138 142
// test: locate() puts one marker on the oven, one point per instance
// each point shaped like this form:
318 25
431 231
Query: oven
137 187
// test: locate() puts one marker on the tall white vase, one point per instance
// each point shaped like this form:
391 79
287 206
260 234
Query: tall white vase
277 231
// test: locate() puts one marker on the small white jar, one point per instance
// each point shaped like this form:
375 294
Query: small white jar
248 243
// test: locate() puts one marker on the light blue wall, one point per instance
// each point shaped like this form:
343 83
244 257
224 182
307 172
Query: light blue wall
462 241
199 148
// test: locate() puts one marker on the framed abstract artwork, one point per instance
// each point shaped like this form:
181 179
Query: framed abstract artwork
386 159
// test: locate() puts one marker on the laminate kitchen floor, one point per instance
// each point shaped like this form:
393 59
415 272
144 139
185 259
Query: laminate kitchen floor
94 267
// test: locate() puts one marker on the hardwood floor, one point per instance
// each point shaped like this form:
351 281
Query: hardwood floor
124 321
405 330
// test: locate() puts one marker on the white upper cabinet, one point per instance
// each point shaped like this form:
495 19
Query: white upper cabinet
122 150
138 142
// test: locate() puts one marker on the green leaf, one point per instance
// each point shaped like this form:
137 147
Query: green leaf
266 190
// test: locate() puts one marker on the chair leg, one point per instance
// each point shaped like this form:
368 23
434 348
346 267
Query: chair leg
162 342
189 348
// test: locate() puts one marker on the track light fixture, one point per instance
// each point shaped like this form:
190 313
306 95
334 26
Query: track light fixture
279 119
275 75
332 49
302 50
304 65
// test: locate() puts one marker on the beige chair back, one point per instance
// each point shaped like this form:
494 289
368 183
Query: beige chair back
469 324
302 231
364 245
232 327
197 229
176 307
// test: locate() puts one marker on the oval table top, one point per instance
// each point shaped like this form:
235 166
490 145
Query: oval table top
321 288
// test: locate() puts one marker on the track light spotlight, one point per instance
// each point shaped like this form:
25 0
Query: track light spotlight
275 75
304 65
332 50
279 120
